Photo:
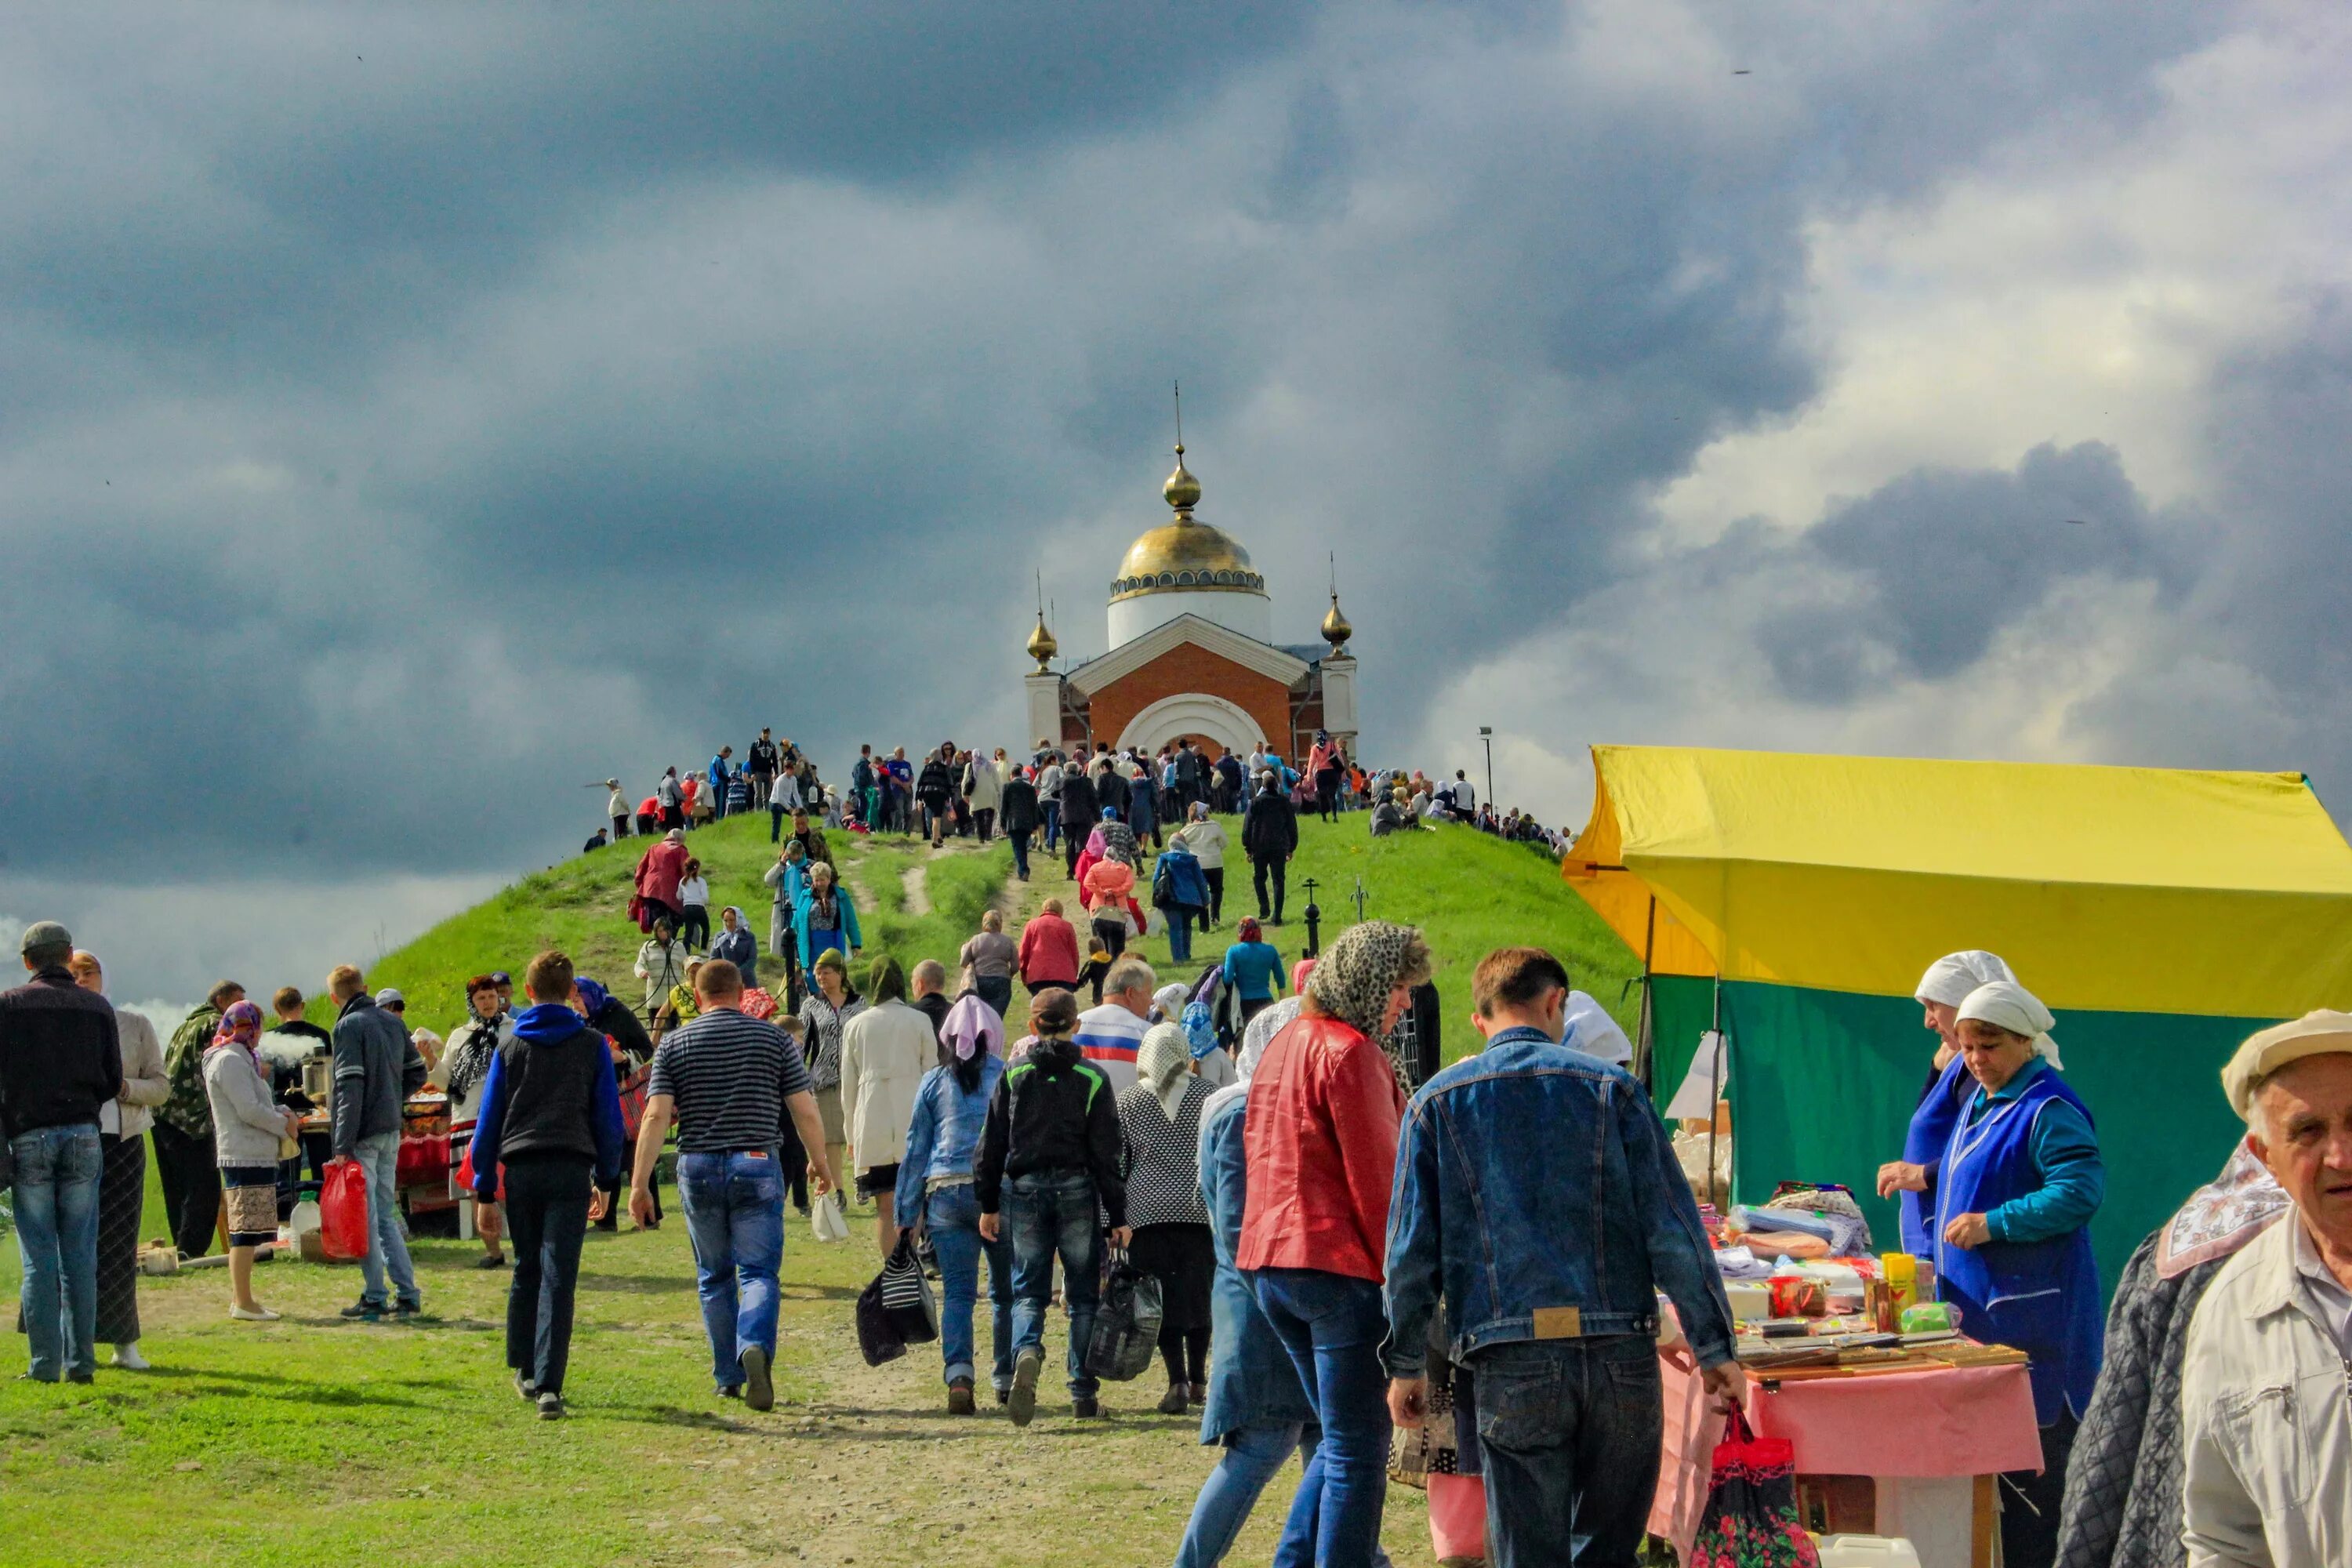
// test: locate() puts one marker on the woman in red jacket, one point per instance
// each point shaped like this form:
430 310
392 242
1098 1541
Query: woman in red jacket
1322 1140
1049 951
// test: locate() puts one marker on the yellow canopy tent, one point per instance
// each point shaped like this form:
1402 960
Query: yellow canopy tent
2163 914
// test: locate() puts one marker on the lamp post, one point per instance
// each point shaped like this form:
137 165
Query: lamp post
1487 738
1314 921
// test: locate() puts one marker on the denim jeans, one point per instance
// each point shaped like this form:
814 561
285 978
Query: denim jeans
775 823
547 1218
1178 918
996 990
1048 1212
379 1157
57 1171
735 1218
1253 1457
1050 813
1020 837
1570 1432
1333 1326
953 1215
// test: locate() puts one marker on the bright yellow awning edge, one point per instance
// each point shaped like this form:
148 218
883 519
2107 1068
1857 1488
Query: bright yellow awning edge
2111 888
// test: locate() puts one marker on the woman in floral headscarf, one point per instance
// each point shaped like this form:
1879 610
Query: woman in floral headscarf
1160 1124
249 1128
934 1194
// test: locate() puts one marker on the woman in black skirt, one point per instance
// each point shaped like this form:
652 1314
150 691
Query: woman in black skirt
1160 1120
122 1184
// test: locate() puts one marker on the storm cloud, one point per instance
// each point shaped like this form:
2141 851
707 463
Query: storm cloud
411 416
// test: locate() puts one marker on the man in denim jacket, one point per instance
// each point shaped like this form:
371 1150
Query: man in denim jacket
1537 1193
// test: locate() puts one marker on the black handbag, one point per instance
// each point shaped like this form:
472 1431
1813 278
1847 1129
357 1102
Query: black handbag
1127 1324
905 1295
879 1339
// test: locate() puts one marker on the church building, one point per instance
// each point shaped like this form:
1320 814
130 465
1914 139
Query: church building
1193 654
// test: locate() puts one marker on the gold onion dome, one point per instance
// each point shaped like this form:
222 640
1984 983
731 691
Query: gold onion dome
1042 645
1185 554
1336 629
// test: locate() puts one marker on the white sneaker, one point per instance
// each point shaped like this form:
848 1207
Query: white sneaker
263 1315
127 1358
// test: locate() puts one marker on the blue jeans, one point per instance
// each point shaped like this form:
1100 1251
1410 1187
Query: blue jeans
57 1169
1333 1325
1046 1213
379 1157
1569 1431
1178 918
1253 1455
953 1215
1050 813
735 1218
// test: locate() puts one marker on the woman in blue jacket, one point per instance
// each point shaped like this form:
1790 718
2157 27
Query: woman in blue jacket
826 916
935 1183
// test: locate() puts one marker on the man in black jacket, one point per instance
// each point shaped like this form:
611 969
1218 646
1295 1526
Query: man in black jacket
551 1115
761 761
60 1062
934 787
1019 817
1270 837
1080 807
1049 1156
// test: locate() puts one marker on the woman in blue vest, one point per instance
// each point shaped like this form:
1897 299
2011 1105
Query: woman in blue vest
2020 1180
1912 1179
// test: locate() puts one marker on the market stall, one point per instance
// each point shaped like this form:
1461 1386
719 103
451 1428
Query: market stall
1793 900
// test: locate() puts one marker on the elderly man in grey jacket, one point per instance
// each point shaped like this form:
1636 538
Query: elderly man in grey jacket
377 1067
2266 1379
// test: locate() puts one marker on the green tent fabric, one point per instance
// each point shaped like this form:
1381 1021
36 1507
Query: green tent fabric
1822 1084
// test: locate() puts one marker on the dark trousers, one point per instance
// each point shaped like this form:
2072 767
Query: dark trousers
695 929
1072 843
984 820
775 823
1112 935
618 1194
1185 1353
1568 1433
2028 1502
1215 877
1327 798
546 1209
1020 837
189 1170
621 826
1259 872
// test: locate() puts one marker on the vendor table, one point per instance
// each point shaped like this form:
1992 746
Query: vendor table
1929 1442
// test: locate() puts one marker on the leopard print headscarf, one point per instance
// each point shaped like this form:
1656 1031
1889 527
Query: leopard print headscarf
1353 981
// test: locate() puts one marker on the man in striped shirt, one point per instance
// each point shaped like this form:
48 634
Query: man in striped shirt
1110 1035
728 1082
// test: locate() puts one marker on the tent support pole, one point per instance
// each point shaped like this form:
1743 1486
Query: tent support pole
1714 1100
1648 1066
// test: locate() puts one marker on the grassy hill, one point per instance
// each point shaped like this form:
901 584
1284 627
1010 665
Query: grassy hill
1468 892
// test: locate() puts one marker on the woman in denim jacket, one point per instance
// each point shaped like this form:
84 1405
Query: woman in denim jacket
935 1188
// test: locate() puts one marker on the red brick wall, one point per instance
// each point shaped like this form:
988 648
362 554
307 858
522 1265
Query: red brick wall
1188 668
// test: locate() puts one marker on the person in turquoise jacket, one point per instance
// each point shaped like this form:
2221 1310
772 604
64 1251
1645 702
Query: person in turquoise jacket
826 916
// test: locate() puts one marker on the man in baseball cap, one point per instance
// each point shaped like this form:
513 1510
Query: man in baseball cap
2267 1428
60 1062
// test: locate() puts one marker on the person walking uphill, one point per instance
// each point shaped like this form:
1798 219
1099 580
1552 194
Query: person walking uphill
1541 1156
1160 1124
937 1195
728 1082
1322 1140
660 871
376 1070
60 1062
551 1115
1270 837
885 1052
1049 1159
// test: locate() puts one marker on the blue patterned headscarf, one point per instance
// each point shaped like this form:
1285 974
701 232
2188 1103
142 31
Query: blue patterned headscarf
1200 1033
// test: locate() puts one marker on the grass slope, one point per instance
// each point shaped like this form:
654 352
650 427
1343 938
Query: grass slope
316 1440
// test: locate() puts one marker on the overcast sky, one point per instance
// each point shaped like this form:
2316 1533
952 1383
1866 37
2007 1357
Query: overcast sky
410 413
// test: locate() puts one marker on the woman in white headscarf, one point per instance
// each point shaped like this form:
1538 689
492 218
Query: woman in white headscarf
1159 1119
1941 990
2020 1180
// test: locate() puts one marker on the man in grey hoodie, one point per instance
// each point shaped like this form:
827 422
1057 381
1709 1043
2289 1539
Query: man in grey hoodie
377 1067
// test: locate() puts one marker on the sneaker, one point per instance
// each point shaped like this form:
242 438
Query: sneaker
363 1308
732 1390
759 1389
409 1307
127 1358
1172 1402
1005 1394
257 1315
497 1262
959 1400
525 1387
1024 1397
86 1378
550 1407
1086 1409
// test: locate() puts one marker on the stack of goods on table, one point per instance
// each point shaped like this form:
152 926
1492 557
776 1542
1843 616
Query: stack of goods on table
1810 1300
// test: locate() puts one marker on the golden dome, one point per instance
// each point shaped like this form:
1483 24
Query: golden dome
1336 629
1184 556
1042 645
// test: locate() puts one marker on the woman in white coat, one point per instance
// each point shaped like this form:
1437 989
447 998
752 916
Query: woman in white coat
885 1052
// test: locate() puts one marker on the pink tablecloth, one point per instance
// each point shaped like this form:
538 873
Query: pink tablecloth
1962 1421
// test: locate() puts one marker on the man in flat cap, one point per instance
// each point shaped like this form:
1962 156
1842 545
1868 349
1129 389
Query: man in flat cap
2266 1382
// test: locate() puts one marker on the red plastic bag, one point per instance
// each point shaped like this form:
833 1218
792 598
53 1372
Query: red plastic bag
1458 1518
343 1212
1751 1520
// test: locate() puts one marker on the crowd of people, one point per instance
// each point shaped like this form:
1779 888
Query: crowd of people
1350 1241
